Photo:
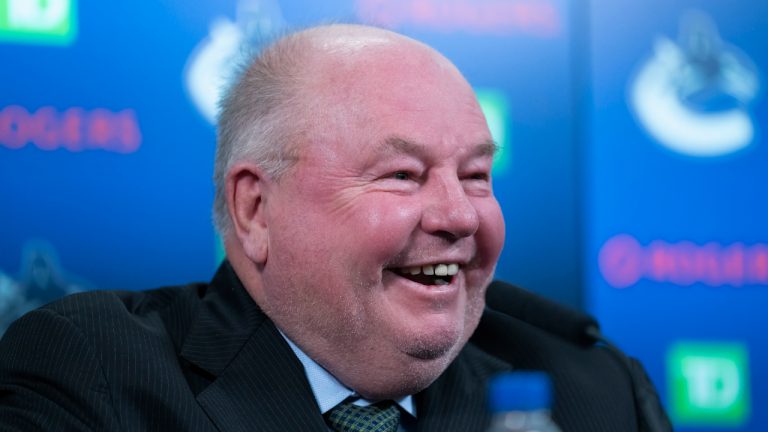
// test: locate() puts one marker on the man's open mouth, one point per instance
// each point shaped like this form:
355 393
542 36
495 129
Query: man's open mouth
433 274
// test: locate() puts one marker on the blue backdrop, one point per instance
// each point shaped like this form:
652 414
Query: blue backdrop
676 205
631 174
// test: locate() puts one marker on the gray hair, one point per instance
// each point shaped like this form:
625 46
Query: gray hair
254 118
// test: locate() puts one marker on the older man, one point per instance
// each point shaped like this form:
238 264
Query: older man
353 193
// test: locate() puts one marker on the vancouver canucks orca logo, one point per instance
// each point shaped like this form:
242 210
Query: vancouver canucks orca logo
692 96
216 58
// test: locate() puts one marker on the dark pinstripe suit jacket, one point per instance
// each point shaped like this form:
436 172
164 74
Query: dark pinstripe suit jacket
204 357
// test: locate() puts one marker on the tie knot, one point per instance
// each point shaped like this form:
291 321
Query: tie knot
348 417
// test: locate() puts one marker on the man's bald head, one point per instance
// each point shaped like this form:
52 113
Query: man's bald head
265 115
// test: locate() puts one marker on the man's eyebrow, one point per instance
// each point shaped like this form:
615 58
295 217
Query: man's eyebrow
399 145
488 148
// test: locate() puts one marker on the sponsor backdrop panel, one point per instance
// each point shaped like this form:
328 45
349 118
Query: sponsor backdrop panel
107 138
676 201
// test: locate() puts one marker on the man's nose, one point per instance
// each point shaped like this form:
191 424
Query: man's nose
448 211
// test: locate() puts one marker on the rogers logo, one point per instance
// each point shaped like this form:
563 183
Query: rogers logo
74 129
623 262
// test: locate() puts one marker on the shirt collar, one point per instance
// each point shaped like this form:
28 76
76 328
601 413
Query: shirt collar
329 392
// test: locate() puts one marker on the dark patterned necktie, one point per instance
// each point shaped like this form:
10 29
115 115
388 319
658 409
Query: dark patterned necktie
347 417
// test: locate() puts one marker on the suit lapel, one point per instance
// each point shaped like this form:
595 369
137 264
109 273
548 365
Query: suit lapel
258 383
263 388
225 321
457 400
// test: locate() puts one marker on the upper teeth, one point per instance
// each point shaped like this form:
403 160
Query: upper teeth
437 270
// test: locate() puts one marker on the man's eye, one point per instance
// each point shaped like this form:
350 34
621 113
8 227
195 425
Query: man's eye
480 176
401 175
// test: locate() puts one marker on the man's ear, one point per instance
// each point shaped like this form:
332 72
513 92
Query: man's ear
246 185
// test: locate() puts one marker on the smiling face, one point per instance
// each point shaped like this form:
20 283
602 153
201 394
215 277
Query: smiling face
385 233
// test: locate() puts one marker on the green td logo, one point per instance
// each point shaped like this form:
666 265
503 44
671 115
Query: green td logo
38 21
709 384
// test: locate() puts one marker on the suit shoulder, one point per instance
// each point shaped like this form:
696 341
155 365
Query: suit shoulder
104 317
135 303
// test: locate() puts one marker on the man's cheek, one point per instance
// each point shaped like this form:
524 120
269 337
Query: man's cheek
390 218
491 237
387 231
492 220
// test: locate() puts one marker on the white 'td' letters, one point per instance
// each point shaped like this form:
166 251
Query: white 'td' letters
712 382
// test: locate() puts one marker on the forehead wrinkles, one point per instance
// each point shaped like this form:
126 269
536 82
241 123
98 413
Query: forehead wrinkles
396 145
351 85
351 93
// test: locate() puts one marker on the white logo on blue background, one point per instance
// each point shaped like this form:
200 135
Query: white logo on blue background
215 59
692 96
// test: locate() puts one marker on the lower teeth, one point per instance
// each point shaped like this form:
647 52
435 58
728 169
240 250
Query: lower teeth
440 282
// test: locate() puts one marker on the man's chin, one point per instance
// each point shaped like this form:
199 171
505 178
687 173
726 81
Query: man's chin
429 351
433 346
421 357
419 372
